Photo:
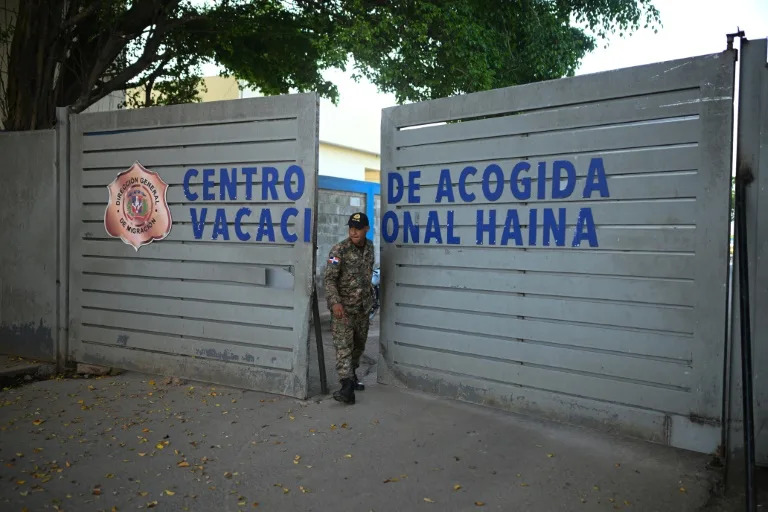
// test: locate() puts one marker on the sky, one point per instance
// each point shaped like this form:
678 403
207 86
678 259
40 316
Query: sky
690 28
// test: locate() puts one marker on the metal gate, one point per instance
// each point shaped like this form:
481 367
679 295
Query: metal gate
561 248
225 297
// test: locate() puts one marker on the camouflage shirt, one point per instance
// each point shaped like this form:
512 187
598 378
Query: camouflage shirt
348 276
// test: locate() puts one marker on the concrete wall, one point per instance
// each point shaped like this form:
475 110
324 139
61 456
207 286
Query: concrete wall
344 162
333 210
337 200
28 260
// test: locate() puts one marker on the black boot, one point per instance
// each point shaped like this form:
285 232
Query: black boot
347 392
359 386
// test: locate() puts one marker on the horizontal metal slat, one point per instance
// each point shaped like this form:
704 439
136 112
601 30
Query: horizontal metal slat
221 331
649 291
672 320
610 111
206 349
609 389
224 133
223 292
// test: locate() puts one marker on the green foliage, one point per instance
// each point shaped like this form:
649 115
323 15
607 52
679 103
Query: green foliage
416 49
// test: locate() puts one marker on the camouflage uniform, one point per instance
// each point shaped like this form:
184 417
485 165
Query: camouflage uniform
348 282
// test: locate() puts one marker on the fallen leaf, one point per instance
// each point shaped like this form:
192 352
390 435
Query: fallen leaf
480 503
296 459
227 475
38 422
343 425
682 489
183 464
142 454
291 417
24 493
255 504
67 464
304 490
550 455
169 493
333 426
388 480
151 383
312 430
159 446
152 504
523 484
109 475
143 493
348 456
286 490
456 487
20 482
428 500
96 492
596 488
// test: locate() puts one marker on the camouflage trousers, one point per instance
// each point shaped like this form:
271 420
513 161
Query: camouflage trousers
349 336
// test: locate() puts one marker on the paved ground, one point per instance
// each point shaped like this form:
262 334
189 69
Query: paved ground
135 441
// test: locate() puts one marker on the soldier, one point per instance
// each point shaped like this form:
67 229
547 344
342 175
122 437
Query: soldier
350 299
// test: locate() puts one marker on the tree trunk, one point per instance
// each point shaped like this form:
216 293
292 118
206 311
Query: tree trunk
32 65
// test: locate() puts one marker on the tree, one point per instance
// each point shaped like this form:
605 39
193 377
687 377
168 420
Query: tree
74 52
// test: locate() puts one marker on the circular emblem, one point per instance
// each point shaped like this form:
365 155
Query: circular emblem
136 207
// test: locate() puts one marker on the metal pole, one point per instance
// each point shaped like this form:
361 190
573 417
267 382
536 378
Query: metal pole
742 179
319 341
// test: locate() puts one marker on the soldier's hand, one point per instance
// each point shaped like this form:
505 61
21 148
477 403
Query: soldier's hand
338 311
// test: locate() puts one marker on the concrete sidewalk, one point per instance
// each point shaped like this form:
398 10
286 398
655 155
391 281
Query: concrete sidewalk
133 442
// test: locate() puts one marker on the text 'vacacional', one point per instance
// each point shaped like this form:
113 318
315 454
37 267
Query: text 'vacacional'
526 182
259 184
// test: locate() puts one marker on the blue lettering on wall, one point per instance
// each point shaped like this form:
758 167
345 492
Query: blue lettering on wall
269 178
265 226
596 180
444 187
554 227
516 182
242 212
394 188
555 180
488 228
467 172
290 193
248 174
413 187
208 184
228 180
451 238
570 179
198 223
410 229
494 171
228 185
512 229
433 228
287 235
585 229
191 173
220 226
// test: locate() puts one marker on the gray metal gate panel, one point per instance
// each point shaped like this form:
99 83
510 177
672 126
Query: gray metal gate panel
625 335
226 311
752 157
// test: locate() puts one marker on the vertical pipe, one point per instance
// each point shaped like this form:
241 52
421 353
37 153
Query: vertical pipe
319 341
742 178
